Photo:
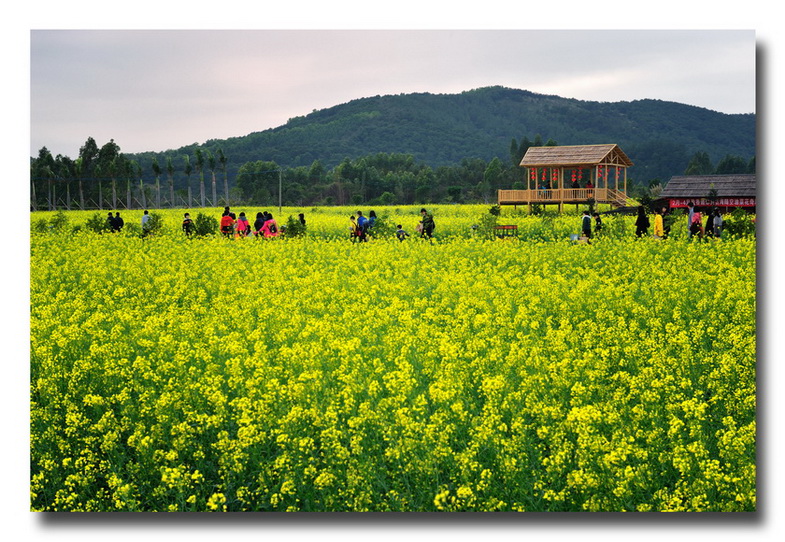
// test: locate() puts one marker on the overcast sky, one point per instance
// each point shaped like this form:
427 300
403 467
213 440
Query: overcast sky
153 90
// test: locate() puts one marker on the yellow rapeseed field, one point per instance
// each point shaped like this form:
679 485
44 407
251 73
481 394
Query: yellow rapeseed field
314 374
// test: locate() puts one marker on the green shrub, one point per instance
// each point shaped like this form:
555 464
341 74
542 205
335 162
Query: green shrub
487 225
205 225
738 223
41 226
294 228
154 225
97 223
59 221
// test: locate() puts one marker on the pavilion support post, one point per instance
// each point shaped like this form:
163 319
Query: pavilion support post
625 181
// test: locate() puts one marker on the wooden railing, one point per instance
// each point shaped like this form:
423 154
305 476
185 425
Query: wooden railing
565 195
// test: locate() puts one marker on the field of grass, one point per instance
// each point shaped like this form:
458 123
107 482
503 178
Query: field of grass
314 374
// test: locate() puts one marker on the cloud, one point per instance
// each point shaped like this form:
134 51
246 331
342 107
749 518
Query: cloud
154 90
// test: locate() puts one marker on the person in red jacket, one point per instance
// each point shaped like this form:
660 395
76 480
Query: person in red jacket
227 224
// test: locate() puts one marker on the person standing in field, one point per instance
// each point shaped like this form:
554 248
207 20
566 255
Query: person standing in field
597 223
301 217
666 224
362 226
427 224
227 223
696 228
110 223
400 233
642 222
708 229
659 229
586 224
118 222
371 223
145 223
270 227
243 228
188 225
718 224
690 213
353 230
258 224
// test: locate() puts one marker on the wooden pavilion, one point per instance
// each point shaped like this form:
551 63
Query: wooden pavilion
572 174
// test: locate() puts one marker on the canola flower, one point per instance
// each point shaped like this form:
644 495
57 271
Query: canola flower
312 374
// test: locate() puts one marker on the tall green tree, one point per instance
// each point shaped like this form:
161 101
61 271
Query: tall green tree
114 169
731 164
258 180
98 171
65 174
107 157
140 176
88 154
492 179
188 169
522 148
200 171
79 171
222 160
699 164
130 168
211 167
157 172
43 169
170 177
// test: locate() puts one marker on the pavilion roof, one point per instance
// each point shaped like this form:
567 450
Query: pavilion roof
698 186
575 155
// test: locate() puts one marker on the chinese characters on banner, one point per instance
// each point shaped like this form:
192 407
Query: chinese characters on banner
720 202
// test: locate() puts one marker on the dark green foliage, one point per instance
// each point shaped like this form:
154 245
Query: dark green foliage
700 164
422 148
739 222
97 223
155 223
732 164
58 222
205 225
488 221
40 226
443 129
382 228
294 228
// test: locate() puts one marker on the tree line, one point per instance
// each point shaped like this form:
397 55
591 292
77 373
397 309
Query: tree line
103 177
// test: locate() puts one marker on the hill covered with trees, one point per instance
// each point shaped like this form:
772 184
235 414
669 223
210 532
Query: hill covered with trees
413 147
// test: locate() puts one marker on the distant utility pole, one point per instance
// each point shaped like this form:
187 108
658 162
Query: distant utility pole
279 193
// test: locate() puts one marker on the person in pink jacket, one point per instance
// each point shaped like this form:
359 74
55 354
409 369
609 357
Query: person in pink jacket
270 227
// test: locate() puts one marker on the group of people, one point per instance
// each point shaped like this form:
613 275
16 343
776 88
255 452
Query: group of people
586 224
361 227
115 223
695 225
232 225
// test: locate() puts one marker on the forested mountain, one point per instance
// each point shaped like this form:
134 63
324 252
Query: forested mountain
444 129
459 135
